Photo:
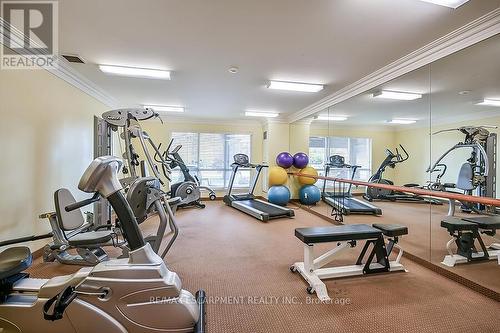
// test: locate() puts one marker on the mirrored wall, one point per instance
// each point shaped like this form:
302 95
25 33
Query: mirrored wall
464 128
431 129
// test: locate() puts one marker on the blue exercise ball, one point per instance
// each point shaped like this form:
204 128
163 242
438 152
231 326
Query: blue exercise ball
309 194
278 195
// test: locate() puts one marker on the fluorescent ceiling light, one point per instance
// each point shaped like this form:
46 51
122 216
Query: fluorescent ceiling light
136 72
332 118
261 114
164 108
447 3
490 102
402 121
399 95
295 86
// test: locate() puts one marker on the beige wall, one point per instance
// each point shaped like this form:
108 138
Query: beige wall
47 142
417 144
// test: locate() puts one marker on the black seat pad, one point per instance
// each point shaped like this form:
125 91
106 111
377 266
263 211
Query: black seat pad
485 222
336 233
91 238
456 224
392 230
14 260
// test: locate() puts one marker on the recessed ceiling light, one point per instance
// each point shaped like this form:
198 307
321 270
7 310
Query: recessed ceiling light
331 118
165 108
402 121
490 102
464 92
136 72
265 114
447 3
295 86
399 95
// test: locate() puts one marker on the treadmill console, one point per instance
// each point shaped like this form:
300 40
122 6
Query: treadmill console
241 159
337 161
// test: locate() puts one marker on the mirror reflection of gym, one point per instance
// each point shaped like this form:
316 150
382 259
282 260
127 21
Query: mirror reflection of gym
465 120
364 142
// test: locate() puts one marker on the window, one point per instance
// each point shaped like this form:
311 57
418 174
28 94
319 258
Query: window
209 156
356 151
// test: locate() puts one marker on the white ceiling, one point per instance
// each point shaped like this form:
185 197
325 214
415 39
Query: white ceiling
334 42
475 69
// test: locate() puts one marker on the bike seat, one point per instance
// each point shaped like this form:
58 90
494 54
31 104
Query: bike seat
14 260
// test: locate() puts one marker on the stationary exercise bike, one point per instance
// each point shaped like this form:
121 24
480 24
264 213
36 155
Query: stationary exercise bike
189 189
391 160
135 294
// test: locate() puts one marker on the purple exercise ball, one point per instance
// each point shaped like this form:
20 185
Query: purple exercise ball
284 160
300 160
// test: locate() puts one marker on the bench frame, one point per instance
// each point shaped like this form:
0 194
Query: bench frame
311 268
465 241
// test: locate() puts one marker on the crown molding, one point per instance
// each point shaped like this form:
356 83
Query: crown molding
478 30
65 72
62 70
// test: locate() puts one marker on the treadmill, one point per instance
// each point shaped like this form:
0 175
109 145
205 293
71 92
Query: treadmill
246 202
342 200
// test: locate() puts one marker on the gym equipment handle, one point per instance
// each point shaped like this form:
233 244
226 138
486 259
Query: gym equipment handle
61 302
83 203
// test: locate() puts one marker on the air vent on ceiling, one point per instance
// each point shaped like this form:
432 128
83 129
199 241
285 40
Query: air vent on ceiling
72 58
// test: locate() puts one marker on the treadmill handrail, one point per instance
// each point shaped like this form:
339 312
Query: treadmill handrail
235 166
328 166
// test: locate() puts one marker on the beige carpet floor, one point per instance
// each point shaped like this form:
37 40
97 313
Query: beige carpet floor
238 259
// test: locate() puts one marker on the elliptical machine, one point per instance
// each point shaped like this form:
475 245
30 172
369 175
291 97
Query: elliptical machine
136 294
391 160
189 189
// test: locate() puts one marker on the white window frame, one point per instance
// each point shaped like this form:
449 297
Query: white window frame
328 146
227 159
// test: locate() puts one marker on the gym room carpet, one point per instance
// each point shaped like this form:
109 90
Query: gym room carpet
238 259
427 241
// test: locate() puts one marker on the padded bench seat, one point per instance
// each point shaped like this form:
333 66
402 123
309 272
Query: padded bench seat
392 230
348 232
466 234
337 233
457 224
485 222
374 257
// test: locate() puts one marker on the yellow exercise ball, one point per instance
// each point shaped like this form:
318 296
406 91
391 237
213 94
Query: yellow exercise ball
307 180
277 176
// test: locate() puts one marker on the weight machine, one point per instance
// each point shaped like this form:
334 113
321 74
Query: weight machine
477 176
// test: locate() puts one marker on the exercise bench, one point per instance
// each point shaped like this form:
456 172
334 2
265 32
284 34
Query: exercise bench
347 236
466 232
